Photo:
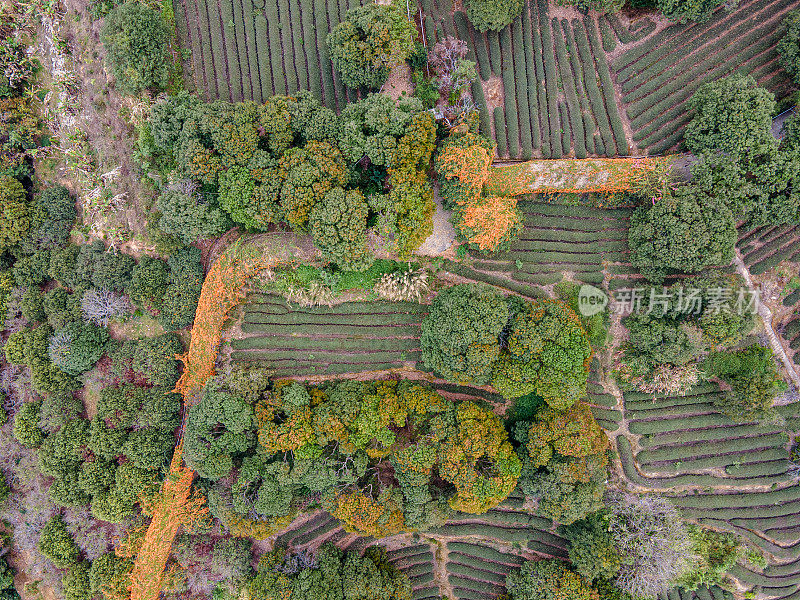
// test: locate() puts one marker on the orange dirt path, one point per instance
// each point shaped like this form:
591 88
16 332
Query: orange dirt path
223 288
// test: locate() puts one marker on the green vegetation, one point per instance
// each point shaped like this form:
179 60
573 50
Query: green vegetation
135 39
369 38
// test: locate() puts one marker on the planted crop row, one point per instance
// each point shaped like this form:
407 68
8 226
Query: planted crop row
717 447
463 552
770 246
243 53
643 28
685 437
659 75
731 28
785 253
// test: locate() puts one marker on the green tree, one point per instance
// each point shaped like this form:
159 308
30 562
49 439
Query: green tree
368 42
218 427
31 304
591 547
26 425
189 218
601 6
732 115
789 46
753 379
57 544
14 214
332 576
76 582
136 41
53 214
148 282
547 352
461 334
155 359
167 117
486 15
77 347
681 11
339 229
565 462
677 233
548 580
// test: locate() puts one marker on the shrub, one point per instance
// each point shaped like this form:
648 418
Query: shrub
57 544
14 214
136 40
548 580
403 286
461 334
339 229
789 46
189 218
485 14
77 347
362 46
102 306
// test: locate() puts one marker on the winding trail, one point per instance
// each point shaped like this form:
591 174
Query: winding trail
766 316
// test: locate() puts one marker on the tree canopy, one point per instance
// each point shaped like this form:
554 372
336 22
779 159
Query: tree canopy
135 39
679 233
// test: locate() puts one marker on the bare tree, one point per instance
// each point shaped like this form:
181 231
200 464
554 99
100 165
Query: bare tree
100 306
652 541
445 59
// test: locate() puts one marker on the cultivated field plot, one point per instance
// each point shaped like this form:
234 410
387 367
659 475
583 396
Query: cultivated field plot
658 74
347 338
557 95
737 472
578 241
684 440
765 248
469 557
253 49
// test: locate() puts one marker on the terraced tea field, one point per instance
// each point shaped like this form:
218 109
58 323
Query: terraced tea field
557 91
253 49
658 74
346 338
588 244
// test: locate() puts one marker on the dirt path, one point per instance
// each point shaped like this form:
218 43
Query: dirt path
766 316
